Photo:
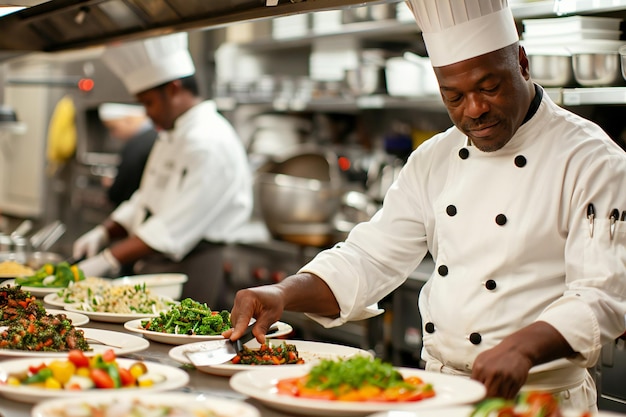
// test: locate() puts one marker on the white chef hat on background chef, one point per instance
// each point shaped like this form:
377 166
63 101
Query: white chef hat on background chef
116 111
456 30
148 63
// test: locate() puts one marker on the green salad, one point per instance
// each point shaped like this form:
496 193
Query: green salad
53 276
189 317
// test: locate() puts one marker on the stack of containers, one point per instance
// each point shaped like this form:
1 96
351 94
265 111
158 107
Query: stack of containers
571 50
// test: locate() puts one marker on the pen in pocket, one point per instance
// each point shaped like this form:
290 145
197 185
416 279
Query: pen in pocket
591 215
613 218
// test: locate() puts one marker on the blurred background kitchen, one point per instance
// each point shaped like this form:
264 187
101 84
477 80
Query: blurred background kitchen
328 102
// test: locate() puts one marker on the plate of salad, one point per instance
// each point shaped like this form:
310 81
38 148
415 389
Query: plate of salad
187 322
396 388
309 352
121 303
145 405
48 279
31 381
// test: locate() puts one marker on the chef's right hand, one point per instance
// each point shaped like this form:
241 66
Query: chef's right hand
90 243
264 303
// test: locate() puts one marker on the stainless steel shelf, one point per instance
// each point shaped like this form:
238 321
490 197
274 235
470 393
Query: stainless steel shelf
348 104
598 95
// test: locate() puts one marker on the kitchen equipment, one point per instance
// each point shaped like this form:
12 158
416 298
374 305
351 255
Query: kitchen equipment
34 260
355 207
596 63
365 80
382 173
550 63
47 235
286 199
298 196
307 234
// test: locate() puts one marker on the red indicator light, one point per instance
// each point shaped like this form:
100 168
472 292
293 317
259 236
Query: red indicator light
85 84
344 163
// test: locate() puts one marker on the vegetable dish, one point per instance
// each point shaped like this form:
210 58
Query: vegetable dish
30 327
189 317
530 404
356 379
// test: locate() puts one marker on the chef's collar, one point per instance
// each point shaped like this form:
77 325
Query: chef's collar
534 104
532 109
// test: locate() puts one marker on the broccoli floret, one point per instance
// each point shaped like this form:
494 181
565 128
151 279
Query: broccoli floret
226 318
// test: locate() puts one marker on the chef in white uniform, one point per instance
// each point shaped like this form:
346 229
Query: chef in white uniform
196 191
527 288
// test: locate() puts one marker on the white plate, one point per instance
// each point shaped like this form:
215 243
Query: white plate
455 411
451 390
181 339
187 402
310 352
110 317
78 319
36 291
120 343
466 411
174 378
54 300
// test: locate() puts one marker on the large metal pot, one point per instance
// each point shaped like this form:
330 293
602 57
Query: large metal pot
286 199
299 193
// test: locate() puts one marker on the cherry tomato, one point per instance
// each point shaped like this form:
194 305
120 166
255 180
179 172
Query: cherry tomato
102 379
108 356
78 358
127 379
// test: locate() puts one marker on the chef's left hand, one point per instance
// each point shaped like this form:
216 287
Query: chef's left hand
503 371
101 265
504 368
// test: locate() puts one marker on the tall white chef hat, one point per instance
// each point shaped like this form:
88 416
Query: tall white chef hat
456 30
115 111
148 63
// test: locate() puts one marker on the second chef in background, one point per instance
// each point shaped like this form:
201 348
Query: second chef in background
196 190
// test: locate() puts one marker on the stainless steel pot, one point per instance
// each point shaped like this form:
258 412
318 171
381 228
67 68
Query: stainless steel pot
286 199
301 190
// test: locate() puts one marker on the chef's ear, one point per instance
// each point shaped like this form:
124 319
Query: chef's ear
524 64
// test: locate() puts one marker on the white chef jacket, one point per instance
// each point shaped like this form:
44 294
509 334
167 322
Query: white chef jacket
510 237
196 186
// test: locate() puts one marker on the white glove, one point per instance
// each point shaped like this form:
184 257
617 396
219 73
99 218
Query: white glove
101 265
91 242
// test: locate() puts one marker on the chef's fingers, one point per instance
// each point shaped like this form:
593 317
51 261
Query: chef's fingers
262 303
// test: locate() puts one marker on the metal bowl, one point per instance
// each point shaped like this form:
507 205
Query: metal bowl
597 69
552 70
286 199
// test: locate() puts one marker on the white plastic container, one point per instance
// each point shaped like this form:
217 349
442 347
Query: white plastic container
410 76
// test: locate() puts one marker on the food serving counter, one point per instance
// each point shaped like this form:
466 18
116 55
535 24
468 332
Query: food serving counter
199 382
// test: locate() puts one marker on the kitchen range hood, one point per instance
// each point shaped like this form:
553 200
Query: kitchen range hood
59 25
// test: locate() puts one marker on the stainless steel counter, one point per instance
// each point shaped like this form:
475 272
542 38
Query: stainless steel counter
199 382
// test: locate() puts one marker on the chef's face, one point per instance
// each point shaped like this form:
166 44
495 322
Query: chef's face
488 96
159 106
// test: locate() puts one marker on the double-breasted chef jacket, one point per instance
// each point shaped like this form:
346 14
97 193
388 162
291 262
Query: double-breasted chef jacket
510 236
196 186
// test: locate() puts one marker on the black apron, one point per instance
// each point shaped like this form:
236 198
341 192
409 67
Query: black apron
204 269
